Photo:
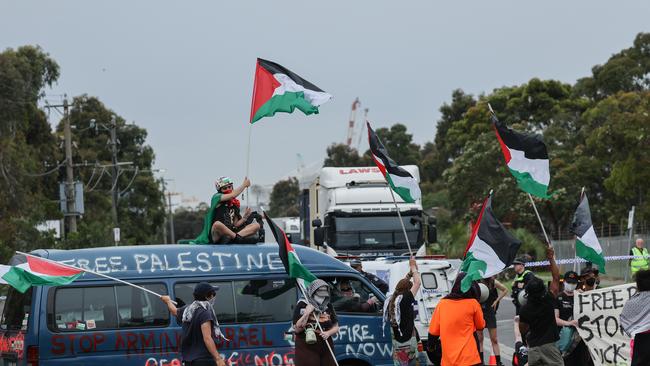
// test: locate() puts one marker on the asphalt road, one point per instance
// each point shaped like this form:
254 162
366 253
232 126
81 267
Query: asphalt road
505 332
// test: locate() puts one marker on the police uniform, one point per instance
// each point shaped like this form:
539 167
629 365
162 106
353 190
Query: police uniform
518 285
377 282
637 264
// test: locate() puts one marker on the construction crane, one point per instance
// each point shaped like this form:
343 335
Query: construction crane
362 128
353 117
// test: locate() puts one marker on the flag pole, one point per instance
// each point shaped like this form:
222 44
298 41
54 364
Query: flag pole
548 242
575 250
304 294
399 215
93 272
248 159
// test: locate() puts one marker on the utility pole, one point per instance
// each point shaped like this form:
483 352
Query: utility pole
171 219
71 215
114 193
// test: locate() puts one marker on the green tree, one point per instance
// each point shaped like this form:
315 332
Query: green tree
284 198
342 155
140 204
29 154
188 222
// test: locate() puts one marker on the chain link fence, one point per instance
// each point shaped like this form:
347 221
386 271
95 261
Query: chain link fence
612 246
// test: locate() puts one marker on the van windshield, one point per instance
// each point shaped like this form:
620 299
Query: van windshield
372 232
16 310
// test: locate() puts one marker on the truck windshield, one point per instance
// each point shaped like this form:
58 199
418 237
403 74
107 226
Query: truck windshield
16 310
373 232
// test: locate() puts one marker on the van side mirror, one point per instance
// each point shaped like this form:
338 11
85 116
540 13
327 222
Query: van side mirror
432 233
319 236
316 223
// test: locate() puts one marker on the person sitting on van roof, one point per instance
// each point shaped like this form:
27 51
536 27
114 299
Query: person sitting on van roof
347 300
223 223
200 327
378 282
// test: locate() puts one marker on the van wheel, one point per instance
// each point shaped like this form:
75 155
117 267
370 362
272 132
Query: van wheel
354 363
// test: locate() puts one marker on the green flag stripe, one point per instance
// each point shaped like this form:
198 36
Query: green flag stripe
298 270
286 102
475 268
590 254
21 279
529 185
403 192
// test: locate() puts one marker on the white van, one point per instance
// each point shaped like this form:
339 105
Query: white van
437 278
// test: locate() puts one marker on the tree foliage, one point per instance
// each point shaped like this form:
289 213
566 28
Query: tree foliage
284 198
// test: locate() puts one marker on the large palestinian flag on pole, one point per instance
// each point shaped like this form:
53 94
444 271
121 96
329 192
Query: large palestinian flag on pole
400 181
288 256
490 249
526 158
587 245
34 271
277 89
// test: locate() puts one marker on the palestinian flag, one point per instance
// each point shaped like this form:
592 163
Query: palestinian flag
400 181
34 271
277 89
587 245
526 158
490 249
288 255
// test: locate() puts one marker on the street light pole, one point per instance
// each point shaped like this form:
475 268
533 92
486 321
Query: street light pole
69 181
114 193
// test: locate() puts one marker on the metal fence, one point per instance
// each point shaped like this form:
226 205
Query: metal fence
612 246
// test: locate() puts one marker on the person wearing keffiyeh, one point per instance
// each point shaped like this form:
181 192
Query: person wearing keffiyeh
635 319
200 327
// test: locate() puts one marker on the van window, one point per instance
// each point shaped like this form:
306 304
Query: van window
224 304
247 302
107 307
429 281
265 300
16 310
350 295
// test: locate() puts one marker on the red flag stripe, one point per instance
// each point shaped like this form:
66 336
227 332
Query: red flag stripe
50 268
504 147
475 228
263 88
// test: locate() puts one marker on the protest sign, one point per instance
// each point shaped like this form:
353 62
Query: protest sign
597 313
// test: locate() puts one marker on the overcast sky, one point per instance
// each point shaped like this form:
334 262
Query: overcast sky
184 69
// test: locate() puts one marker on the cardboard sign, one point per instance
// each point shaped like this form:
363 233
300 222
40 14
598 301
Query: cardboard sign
598 314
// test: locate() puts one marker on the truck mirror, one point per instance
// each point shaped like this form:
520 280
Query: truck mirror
319 236
316 223
432 233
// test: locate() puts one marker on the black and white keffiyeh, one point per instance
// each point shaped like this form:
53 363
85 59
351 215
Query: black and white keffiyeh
635 317
191 309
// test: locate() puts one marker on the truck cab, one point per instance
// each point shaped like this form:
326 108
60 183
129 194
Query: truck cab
351 212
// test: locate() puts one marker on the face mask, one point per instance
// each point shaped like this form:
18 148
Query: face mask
227 191
213 300
321 300
569 287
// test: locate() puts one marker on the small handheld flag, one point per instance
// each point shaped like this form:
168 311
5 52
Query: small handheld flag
526 158
288 256
587 245
33 271
277 89
399 180
490 249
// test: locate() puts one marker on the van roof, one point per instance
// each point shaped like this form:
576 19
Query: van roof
194 260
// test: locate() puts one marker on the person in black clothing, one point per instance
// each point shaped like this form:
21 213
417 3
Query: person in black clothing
376 281
496 292
522 276
577 354
228 224
537 318
346 300
200 327
311 349
404 334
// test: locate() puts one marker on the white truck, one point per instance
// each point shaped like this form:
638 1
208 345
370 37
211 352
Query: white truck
437 279
351 212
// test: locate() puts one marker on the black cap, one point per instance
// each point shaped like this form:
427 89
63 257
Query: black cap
355 262
204 289
519 260
571 277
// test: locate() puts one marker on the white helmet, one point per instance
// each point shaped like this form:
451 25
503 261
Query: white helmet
222 182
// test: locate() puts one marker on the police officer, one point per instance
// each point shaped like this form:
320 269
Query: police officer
378 282
521 280
639 250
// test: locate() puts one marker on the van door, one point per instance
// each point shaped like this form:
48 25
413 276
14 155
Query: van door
105 324
254 314
14 329
434 287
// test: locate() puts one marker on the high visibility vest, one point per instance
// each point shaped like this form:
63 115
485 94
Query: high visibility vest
520 278
639 263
